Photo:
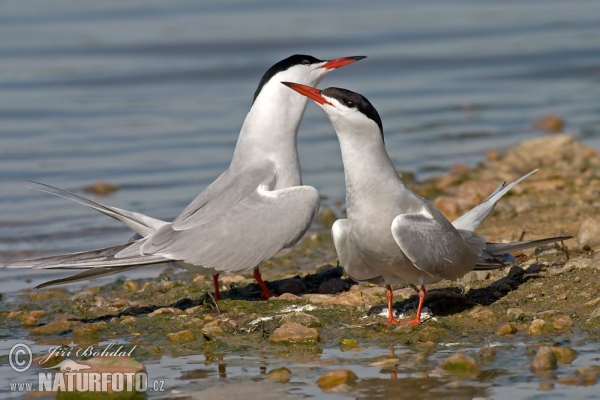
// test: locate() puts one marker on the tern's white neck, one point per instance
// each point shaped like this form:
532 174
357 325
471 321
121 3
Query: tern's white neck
369 172
270 131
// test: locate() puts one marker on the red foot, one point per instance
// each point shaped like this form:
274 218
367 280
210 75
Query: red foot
216 283
266 294
393 321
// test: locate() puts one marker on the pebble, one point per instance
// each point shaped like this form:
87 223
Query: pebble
550 123
89 329
561 297
515 272
564 355
164 310
131 286
579 262
326 217
316 298
589 233
487 353
349 343
285 296
101 188
212 328
593 302
561 322
333 286
293 332
55 327
331 379
482 314
404 294
282 375
374 291
544 360
538 326
461 364
351 299
302 319
506 329
183 336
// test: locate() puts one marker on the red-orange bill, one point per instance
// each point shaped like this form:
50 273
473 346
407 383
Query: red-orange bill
308 91
340 62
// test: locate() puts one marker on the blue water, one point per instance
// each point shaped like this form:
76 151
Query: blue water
150 95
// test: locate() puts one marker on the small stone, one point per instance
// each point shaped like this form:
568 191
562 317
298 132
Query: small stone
317 298
487 352
506 329
293 332
120 303
47 295
561 297
564 355
285 296
449 206
101 188
482 314
544 360
589 233
182 336
351 299
374 291
429 334
131 286
324 268
349 343
550 123
579 263
301 318
334 378
562 321
212 328
15 315
538 326
326 217
193 310
89 329
291 285
30 320
403 294
515 272
461 364
55 327
333 286
164 310
282 375
576 279
593 302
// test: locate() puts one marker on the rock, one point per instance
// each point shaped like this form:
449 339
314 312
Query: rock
333 286
550 123
293 332
515 272
538 326
561 297
482 314
487 353
324 268
291 285
47 295
131 286
403 294
30 320
562 321
326 217
451 207
182 336
459 363
589 233
55 327
564 355
596 261
89 329
302 319
334 378
282 375
374 291
128 366
164 310
317 298
506 329
349 343
212 328
579 262
351 299
429 334
544 360
285 296
101 188
593 302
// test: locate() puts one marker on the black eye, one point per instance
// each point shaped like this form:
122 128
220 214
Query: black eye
305 62
349 104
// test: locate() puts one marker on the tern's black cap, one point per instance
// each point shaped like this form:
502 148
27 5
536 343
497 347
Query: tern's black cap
355 100
284 65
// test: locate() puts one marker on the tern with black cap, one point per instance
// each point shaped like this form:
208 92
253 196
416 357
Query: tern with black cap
257 207
391 235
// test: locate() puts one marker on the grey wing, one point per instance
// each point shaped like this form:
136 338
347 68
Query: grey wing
350 259
208 195
474 217
433 246
238 237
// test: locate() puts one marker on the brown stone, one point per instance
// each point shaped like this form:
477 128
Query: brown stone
538 326
101 188
564 355
293 332
351 299
550 123
544 360
55 327
301 318
183 336
482 314
333 286
461 364
282 375
331 379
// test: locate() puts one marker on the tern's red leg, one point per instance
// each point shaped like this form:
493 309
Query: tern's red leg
216 282
265 292
389 295
417 319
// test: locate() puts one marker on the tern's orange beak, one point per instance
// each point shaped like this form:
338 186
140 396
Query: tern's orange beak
340 62
308 91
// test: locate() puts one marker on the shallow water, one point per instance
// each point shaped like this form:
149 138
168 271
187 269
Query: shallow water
150 95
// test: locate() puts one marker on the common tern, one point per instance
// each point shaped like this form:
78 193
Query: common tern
392 235
257 207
